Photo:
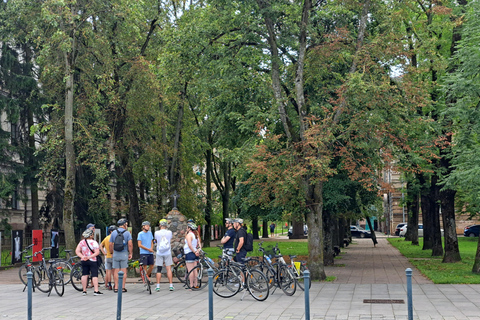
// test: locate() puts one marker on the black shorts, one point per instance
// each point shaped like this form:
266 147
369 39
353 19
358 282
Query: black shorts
240 256
148 261
90 268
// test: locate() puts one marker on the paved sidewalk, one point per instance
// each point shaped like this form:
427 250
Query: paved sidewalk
369 273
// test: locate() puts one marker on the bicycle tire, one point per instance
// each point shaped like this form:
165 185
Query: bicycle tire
268 273
42 282
22 274
145 280
66 269
226 283
181 271
299 278
76 277
202 278
287 281
257 285
58 282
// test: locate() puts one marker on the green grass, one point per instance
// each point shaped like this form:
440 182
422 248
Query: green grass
434 269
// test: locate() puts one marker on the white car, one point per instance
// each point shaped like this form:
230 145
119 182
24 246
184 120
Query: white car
403 230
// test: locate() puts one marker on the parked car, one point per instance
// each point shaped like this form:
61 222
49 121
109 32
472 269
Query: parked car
472 231
359 232
403 230
305 230
397 229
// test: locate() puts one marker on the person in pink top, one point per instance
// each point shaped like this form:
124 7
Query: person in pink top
88 250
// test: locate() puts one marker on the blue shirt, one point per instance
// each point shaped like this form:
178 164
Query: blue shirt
146 239
126 237
229 244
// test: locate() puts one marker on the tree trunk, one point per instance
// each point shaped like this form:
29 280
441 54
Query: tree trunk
452 252
412 211
32 180
255 228
208 205
314 199
328 253
176 146
69 191
134 209
426 212
476 265
437 248
265 229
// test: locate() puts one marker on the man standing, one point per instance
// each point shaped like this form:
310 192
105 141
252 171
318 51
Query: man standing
163 238
272 230
120 258
228 238
105 248
240 239
145 244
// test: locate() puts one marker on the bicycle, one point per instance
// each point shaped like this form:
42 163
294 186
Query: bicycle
278 274
25 268
143 275
67 264
298 272
48 277
200 270
236 277
179 270
76 276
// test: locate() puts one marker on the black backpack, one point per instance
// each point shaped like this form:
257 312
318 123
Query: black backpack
249 242
118 244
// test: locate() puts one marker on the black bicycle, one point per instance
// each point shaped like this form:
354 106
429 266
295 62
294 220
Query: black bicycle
48 277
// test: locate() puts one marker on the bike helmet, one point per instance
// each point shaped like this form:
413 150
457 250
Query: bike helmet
163 222
121 222
145 223
192 225
191 220
112 228
87 233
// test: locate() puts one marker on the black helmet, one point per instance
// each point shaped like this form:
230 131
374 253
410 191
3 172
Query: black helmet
112 228
121 222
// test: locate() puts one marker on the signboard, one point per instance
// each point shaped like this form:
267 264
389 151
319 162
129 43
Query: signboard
54 243
37 240
17 246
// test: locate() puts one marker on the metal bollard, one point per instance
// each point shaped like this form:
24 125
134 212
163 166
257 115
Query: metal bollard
210 293
119 296
29 294
408 271
306 283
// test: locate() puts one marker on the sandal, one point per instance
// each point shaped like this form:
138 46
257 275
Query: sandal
124 290
115 290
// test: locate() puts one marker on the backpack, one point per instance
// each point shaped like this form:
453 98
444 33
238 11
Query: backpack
249 242
164 245
118 243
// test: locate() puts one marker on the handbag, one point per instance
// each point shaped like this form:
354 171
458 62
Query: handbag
99 259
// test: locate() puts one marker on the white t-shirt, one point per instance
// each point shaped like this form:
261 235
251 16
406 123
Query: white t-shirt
158 237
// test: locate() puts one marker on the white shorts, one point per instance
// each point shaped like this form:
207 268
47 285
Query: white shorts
160 260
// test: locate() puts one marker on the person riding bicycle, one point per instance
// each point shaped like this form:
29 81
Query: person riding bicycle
163 238
229 238
88 250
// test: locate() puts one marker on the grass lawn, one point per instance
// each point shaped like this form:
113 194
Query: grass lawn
434 269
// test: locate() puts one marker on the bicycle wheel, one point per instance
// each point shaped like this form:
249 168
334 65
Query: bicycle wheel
66 270
268 273
22 273
145 280
76 277
287 281
201 278
58 282
42 282
180 271
257 285
226 283
101 276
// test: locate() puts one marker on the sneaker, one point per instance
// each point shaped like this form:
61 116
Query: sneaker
172 288
84 293
157 289
97 293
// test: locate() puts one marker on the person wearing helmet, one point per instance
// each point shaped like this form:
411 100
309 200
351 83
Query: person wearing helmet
120 258
191 251
240 239
163 238
88 250
145 244
105 249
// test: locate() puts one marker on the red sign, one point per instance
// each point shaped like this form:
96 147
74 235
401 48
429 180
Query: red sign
37 240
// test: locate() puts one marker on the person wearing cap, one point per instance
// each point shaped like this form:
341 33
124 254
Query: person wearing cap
105 249
191 251
91 226
120 258
88 250
145 244
228 238
240 251
163 237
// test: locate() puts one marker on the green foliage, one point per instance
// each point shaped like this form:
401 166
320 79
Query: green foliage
434 269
